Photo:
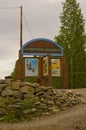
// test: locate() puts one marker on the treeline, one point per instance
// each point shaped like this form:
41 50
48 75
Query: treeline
72 38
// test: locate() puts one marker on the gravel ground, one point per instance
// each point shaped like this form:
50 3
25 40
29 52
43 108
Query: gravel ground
73 118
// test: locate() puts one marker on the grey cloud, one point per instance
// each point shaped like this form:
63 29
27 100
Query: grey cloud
42 17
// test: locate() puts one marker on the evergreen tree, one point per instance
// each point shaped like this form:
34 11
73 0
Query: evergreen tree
72 37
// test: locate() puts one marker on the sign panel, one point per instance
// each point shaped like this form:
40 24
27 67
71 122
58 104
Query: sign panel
42 47
45 66
55 67
42 50
31 67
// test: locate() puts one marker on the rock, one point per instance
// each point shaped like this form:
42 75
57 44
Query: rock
28 95
74 102
38 89
1 104
27 89
2 87
42 99
26 111
8 79
47 96
49 93
70 94
60 100
53 109
37 103
7 92
17 94
43 106
36 85
47 88
16 85
78 94
26 84
58 103
46 113
33 100
39 93
33 110
31 89
14 106
2 112
2 81
50 102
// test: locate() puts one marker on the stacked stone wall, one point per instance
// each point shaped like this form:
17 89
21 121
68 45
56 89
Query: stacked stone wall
28 100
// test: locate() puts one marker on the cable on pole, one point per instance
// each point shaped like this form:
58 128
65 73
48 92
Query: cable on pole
5 8
9 7
28 25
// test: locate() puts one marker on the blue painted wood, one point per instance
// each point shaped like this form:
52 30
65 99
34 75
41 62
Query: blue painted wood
42 54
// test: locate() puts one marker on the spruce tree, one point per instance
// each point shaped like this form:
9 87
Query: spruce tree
72 37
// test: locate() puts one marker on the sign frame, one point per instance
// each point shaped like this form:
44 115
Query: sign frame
45 66
56 67
31 67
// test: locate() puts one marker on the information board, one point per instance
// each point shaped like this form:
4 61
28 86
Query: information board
55 67
31 67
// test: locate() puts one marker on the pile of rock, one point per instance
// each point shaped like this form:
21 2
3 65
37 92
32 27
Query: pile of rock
27 100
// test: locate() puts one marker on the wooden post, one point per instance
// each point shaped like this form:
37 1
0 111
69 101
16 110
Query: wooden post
20 56
20 27
65 73
49 71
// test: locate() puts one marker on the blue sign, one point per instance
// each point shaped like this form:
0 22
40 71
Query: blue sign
42 47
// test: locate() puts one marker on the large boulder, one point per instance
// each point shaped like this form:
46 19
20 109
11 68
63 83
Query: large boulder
27 89
7 92
15 85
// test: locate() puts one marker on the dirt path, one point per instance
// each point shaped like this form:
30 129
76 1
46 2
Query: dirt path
71 119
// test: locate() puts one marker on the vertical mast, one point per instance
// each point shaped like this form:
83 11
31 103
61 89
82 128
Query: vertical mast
20 27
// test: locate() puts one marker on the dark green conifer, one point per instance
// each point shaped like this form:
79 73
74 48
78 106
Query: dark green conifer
73 39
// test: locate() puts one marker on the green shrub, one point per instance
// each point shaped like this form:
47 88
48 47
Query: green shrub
30 79
10 118
56 82
29 103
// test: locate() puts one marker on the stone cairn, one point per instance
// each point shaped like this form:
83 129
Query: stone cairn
30 100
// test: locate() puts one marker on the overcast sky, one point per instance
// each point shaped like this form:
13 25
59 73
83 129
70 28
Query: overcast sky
40 17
